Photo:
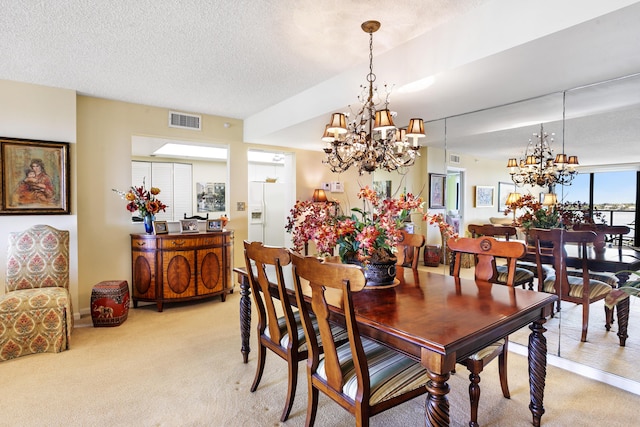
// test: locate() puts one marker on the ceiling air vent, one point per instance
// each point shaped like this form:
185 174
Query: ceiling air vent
454 159
184 121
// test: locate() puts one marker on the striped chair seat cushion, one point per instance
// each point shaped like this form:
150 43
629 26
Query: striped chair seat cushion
487 351
339 333
547 270
522 275
596 287
390 373
603 276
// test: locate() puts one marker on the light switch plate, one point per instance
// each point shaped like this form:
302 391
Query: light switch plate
240 206
326 186
337 187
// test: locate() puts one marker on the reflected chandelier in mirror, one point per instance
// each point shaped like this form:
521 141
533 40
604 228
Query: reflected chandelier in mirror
538 167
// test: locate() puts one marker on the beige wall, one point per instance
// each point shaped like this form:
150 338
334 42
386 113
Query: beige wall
49 114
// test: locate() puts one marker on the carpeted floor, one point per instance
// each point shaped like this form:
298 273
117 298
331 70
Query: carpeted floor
602 349
183 367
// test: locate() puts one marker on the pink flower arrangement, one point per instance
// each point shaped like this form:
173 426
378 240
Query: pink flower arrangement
368 235
446 229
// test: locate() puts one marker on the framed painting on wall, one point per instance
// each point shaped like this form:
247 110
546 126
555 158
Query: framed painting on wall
35 177
504 188
484 196
436 190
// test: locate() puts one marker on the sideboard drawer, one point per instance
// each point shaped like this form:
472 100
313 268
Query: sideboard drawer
142 244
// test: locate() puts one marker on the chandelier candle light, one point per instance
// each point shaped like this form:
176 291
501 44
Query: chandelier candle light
371 140
539 167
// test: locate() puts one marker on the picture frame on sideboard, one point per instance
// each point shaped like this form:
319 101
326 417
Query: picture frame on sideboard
214 225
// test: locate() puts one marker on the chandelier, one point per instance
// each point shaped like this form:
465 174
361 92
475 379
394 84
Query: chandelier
539 167
370 140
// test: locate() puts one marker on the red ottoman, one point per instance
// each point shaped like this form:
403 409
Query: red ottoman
110 303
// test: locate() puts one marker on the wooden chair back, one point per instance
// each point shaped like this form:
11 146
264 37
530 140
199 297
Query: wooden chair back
612 233
261 262
486 249
506 231
323 276
551 242
409 249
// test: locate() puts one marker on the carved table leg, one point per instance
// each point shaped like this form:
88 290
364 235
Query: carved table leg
438 367
437 405
537 369
623 320
245 317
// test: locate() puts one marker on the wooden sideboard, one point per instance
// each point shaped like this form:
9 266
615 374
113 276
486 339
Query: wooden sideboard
181 267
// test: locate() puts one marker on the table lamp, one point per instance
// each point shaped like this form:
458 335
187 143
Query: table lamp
512 199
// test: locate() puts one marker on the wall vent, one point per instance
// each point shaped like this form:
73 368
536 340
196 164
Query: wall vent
184 121
454 159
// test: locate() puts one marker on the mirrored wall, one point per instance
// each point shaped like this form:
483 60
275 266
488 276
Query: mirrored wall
600 124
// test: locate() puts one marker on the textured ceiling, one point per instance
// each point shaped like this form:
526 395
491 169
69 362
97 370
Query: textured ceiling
227 58
284 65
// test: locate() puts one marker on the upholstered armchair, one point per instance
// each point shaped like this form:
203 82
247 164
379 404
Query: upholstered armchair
35 312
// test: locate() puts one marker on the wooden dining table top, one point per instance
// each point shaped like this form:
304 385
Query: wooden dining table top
441 313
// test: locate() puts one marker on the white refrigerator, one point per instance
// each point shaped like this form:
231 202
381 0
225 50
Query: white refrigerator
268 210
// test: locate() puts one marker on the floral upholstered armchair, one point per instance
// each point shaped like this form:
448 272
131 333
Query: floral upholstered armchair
35 312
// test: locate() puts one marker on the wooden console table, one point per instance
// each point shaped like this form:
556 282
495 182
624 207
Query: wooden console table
181 267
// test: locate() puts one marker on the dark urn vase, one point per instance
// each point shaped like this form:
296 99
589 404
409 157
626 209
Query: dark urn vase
377 273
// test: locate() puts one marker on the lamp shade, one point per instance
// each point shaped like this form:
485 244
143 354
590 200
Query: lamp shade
550 199
383 121
319 195
512 163
338 124
513 198
416 128
327 136
561 159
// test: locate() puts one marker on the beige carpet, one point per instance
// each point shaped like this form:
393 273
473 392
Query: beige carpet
602 349
183 367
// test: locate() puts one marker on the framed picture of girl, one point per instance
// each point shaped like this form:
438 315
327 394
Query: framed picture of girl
35 177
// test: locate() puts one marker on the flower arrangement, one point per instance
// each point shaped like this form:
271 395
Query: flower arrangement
369 235
564 215
142 200
446 229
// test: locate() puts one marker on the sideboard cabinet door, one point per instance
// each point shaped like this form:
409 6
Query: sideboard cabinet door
179 267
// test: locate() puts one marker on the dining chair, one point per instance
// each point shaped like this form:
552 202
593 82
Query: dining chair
486 250
409 249
362 376
281 333
582 289
610 233
523 273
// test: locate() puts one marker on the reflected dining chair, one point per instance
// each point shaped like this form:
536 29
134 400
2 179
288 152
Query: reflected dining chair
608 233
582 289
409 249
523 276
282 334
486 249
362 376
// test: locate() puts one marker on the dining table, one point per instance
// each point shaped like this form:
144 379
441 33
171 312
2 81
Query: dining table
619 260
439 320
